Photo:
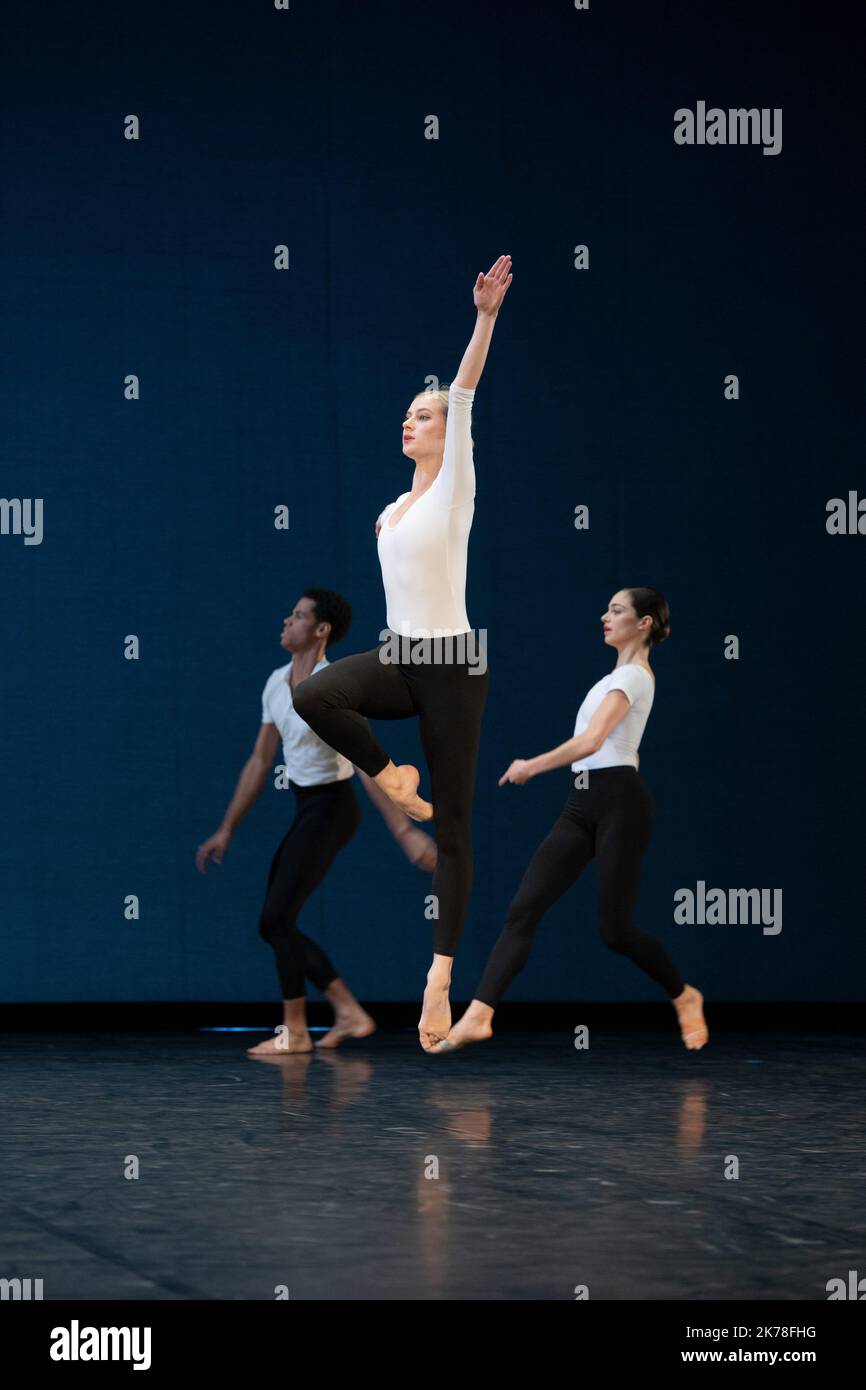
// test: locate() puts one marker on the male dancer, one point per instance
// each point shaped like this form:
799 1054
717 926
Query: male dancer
326 818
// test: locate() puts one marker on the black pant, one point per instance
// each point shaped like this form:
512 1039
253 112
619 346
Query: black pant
448 696
611 819
326 818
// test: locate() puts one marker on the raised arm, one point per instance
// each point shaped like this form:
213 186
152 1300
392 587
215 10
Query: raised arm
455 482
488 293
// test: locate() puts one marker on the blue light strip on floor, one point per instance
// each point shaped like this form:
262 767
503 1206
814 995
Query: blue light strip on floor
253 1030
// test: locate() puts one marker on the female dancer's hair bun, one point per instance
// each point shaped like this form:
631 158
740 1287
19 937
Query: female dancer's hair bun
653 604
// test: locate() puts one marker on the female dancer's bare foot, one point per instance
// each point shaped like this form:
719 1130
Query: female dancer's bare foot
349 1023
435 1020
690 1012
401 785
282 1043
474 1026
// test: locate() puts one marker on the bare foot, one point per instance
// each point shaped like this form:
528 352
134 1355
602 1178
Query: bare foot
349 1023
474 1026
435 1020
690 1012
401 785
283 1043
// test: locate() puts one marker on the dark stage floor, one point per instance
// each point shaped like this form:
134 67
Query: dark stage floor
556 1167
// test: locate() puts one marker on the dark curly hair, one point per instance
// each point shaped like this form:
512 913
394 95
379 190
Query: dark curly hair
331 608
650 603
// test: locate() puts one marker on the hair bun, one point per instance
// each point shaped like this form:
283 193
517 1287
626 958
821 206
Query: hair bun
649 603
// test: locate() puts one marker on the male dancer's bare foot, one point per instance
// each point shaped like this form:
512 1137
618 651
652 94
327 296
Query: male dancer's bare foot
283 1043
401 785
474 1026
435 1020
350 1020
690 1012
349 1023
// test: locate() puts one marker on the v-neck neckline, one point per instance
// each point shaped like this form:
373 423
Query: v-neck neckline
290 683
408 509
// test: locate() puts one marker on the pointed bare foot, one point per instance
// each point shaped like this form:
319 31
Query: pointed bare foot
474 1026
282 1043
435 1021
348 1023
401 785
690 1012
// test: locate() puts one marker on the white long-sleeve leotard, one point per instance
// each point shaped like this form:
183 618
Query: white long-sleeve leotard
423 557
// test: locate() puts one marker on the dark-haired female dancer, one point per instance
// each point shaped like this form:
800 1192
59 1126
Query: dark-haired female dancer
609 815
423 544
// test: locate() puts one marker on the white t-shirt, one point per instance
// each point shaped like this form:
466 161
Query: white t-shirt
620 747
423 557
309 760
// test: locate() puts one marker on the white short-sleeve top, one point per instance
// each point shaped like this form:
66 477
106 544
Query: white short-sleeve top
308 759
621 745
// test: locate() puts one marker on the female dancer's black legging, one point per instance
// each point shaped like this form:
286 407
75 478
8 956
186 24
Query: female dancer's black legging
612 819
326 818
448 696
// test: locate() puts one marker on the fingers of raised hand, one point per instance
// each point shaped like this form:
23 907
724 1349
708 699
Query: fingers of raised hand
499 269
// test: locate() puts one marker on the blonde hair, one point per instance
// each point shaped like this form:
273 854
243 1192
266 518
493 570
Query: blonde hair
441 396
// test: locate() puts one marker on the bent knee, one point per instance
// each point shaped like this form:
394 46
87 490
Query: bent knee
617 937
271 926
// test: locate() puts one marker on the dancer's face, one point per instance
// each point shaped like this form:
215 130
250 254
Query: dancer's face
301 631
621 623
425 426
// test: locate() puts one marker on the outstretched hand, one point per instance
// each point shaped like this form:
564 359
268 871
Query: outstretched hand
517 771
213 849
489 290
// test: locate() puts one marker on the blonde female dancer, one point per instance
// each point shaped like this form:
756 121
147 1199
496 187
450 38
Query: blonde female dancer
423 540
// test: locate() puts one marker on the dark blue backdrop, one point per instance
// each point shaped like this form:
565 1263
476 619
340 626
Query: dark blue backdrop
155 257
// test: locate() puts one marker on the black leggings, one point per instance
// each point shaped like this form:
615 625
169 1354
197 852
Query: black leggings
448 696
611 819
326 818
